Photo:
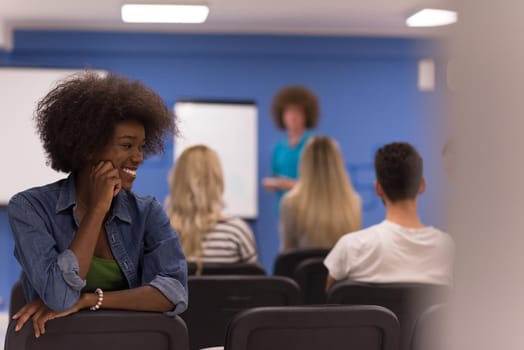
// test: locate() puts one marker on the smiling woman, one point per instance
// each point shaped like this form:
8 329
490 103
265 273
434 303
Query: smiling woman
87 241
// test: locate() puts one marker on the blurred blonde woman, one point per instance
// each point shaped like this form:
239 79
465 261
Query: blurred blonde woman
323 205
195 205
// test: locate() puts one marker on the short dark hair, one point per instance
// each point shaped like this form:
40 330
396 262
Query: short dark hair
398 168
296 96
79 115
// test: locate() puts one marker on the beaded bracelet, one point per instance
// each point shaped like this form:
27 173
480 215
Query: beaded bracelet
100 294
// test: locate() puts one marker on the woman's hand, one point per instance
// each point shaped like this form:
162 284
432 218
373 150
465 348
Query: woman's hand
273 184
270 184
285 183
40 314
105 183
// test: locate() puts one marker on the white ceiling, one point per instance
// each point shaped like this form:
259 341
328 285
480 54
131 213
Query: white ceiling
320 17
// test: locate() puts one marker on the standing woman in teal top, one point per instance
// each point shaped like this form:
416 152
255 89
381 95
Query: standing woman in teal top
295 110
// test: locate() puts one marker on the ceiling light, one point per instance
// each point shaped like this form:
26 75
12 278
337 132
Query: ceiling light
431 18
160 13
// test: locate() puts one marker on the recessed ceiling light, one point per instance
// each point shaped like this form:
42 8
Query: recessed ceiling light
431 18
162 13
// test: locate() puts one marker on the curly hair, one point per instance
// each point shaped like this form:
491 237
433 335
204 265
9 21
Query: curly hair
296 96
398 168
79 115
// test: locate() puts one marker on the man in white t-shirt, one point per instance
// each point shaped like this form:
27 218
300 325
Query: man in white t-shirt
399 249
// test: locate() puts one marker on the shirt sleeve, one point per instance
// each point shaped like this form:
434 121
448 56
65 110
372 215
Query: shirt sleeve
340 259
247 245
52 274
165 265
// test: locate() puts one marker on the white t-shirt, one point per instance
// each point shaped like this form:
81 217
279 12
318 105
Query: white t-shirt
390 253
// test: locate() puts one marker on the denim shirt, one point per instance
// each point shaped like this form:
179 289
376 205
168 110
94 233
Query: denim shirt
144 245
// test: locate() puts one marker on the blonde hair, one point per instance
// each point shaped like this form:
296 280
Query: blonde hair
323 205
195 201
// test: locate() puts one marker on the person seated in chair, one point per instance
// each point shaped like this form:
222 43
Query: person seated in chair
323 205
87 241
401 249
195 206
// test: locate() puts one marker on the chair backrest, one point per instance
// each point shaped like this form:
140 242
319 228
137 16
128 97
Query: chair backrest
427 334
311 276
227 269
407 300
17 298
215 300
314 327
287 262
104 329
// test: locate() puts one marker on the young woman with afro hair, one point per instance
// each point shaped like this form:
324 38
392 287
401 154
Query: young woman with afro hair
87 241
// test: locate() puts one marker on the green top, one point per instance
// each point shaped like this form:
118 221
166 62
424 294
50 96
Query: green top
104 274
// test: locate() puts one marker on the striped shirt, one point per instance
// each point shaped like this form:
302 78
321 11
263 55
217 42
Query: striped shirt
231 241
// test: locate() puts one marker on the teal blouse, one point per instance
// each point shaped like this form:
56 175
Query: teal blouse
286 159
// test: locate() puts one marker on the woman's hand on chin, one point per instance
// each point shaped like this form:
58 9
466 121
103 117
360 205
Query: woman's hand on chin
105 183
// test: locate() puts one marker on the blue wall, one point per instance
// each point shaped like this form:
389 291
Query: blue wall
367 88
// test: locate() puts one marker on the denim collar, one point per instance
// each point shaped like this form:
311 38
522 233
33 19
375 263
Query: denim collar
67 199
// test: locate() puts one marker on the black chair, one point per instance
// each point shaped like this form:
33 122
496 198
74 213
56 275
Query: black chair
427 334
313 328
101 330
17 298
311 276
408 301
287 262
215 300
226 269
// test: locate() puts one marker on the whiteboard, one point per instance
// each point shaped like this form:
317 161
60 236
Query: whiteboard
24 162
231 130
